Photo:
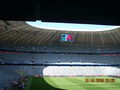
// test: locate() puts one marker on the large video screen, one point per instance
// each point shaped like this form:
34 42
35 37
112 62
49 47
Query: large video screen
67 37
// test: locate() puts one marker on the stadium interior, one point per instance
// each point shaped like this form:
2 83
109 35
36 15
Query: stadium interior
27 51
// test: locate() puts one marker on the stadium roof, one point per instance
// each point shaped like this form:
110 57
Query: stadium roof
19 32
71 26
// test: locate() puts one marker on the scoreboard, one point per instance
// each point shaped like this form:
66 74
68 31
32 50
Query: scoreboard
67 37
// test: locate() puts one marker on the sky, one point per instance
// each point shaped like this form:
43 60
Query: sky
71 26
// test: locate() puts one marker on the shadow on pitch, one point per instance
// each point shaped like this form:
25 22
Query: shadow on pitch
38 83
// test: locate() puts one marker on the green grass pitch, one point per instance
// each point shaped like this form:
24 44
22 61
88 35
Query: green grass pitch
71 83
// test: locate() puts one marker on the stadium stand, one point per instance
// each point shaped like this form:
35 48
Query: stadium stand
54 58
7 74
81 71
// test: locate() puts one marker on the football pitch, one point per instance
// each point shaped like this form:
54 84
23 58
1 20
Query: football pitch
73 83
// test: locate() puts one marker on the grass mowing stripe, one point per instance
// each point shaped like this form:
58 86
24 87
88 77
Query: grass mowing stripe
57 81
75 86
51 82
82 84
